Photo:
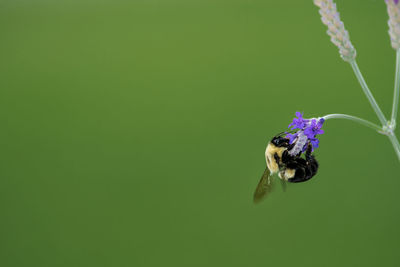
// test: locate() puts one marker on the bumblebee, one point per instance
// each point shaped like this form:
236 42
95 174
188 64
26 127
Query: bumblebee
291 167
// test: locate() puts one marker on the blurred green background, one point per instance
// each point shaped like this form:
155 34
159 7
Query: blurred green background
133 134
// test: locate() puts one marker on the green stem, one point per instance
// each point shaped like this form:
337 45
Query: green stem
395 144
387 132
396 90
355 119
368 93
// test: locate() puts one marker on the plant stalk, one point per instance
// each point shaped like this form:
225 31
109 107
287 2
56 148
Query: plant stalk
355 119
395 144
368 93
392 137
396 91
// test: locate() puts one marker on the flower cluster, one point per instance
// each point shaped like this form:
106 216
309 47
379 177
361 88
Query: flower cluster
394 22
339 36
307 130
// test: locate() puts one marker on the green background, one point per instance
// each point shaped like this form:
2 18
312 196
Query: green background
133 134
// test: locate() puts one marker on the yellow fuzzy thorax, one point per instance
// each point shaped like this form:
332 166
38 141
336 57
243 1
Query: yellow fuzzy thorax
269 157
272 165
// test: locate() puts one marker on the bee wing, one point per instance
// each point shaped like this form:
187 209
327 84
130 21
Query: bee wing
283 184
263 187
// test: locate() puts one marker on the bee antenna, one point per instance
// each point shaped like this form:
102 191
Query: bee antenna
283 133
280 134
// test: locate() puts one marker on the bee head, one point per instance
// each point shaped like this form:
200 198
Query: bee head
280 141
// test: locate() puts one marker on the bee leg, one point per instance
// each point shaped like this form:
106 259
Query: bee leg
283 184
312 163
291 146
286 158
276 157
308 151
280 162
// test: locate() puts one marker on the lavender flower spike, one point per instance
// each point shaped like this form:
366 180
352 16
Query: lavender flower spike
307 130
339 36
300 144
393 10
314 128
299 122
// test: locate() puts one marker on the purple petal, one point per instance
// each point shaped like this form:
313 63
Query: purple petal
291 137
321 122
314 142
309 132
299 122
293 124
308 129
314 123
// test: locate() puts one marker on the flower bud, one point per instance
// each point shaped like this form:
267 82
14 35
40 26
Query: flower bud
339 36
393 10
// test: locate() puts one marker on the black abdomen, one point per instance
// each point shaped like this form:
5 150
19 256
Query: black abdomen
305 169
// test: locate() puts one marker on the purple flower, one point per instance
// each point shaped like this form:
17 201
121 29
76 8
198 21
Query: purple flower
307 130
312 130
299 122
291 137
314 142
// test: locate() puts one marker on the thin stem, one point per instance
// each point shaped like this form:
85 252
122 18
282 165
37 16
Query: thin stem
353 118
392 137
368 93
395 144
396 90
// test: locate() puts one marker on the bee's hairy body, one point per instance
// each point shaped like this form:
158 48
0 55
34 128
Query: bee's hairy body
289 168
273 155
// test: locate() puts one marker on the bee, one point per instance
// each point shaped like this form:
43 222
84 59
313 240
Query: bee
285 159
